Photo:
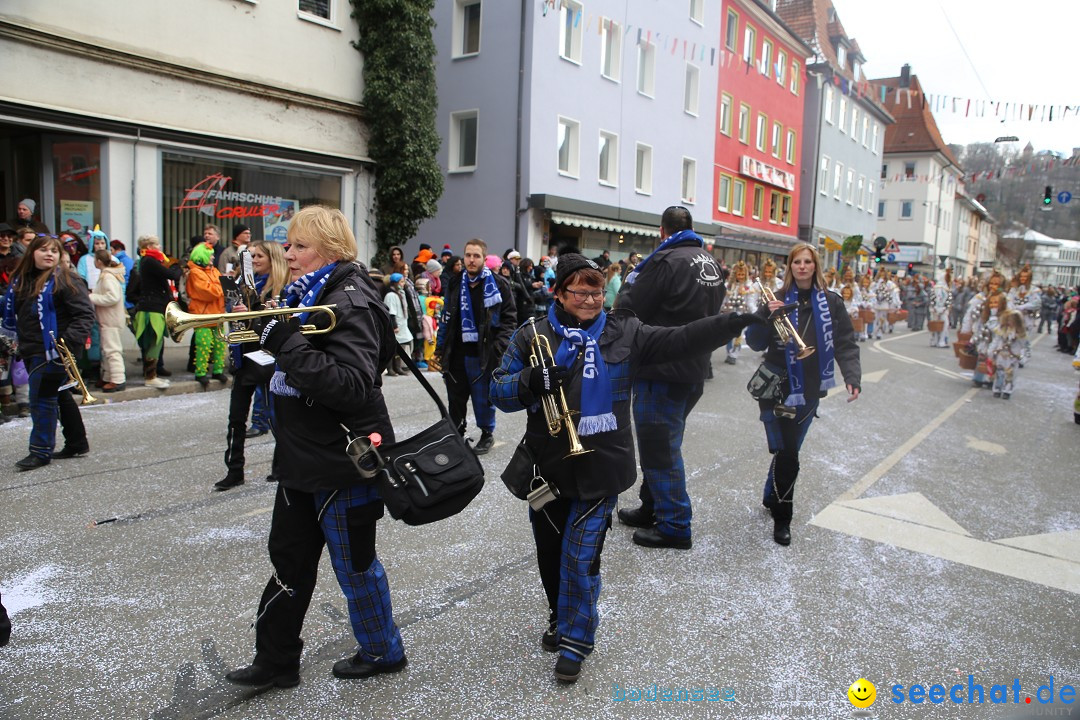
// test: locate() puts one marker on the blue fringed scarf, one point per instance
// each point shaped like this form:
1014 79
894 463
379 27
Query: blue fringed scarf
237 350
675 239
302 293
492 296
46 308
596 413
823 326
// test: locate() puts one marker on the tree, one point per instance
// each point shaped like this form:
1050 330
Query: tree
399 95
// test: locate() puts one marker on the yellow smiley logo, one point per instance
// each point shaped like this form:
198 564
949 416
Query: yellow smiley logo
862 693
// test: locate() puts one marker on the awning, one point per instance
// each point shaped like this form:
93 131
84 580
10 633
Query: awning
831 244
595 223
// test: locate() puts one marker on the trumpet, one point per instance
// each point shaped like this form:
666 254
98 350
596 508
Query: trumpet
782 324
556 411
72 370
178 322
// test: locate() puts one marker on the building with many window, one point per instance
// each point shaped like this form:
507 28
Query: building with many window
572 122
160 118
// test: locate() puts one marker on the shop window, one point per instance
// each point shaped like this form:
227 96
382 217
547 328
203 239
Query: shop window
76 187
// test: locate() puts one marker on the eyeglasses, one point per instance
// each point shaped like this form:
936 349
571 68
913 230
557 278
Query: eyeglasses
582 296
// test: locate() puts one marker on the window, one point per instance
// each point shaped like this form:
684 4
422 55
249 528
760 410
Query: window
463 137
466 27
841 57
865 130
854 124
689 180
859 192
690 97
881 209
794 86
725 114
774 207
905 209
909 170
841 120
766 58
837 179
738 198
870 197
646 69
697 11
608 170
873 139
789 154
749 41
568 143
744 123
828 104
781 68
762 124
723 195
731 32
884 170
785 210
823 178
759 201
856 70
777 129
611 50
318 8
570 29
643 169
850 186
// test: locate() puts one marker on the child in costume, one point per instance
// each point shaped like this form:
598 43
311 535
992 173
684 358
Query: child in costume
741 298
940 302
1006 350
983 335
432 309
886 298
206 297
1027 300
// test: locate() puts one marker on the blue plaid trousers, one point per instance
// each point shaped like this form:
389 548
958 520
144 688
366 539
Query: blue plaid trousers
660 412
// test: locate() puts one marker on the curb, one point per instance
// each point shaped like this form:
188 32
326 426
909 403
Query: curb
141 392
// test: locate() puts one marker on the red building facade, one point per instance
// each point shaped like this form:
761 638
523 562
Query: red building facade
759 120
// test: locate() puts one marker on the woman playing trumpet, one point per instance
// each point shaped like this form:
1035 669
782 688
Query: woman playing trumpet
45 305
821 321
595 358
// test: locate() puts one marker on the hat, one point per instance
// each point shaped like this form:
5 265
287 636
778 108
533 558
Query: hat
116 245
446 250
425 246
4 227
97 233
396 277
568 265
238 229
433 266
202 255
513 254
29 203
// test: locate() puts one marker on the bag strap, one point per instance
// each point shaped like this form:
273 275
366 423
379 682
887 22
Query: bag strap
420 376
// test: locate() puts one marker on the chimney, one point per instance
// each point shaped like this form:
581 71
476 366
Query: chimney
905 76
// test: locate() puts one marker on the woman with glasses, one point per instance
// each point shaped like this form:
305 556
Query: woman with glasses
595 357
822 322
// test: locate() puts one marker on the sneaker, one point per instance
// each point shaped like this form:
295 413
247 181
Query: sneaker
113 387
159 383
484 444
421 365
729 360
1006 396
567 669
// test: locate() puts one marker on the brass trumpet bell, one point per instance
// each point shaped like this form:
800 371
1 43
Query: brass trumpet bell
178 322
784 328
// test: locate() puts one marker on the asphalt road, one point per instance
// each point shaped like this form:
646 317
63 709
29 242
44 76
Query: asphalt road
936 537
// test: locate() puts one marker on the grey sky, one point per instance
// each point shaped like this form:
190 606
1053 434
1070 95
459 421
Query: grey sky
1022 52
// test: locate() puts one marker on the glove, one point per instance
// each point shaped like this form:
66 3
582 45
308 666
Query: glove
547 380
740 321
274 331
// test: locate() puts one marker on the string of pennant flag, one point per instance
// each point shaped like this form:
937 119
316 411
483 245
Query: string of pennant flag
884 94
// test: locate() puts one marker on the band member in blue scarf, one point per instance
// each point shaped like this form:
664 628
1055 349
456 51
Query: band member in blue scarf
821 322
42 305
478 318
594 356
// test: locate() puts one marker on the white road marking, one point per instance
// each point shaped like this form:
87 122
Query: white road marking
912 361
874 376
1064 545
912 507
985 446
259 511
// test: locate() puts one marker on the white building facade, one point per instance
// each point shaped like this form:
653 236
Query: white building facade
160 118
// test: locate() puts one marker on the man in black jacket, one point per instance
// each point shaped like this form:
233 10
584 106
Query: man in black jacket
678 283
474 331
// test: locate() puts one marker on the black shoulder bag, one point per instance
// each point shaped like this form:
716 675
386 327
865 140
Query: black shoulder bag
429 477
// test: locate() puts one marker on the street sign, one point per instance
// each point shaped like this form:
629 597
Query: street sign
1064 196
880 242
891 257
892 247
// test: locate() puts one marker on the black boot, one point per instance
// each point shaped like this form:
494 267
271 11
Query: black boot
639 517
781 513
785 472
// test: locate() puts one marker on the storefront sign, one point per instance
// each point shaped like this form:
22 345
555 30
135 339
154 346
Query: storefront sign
767 173
276 225
209 196
76 216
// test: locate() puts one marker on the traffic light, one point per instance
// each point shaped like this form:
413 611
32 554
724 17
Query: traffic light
1048 196
878 255
910 268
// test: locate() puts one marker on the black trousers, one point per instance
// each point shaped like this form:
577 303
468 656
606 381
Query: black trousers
239 406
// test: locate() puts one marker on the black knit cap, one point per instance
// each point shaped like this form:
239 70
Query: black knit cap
568 265
238 229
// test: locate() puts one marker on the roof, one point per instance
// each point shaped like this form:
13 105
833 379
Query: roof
915 130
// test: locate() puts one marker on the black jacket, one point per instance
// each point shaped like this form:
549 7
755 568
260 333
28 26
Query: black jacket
339 376
845 348
153 293
628 347
494 339
678 285
75 318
